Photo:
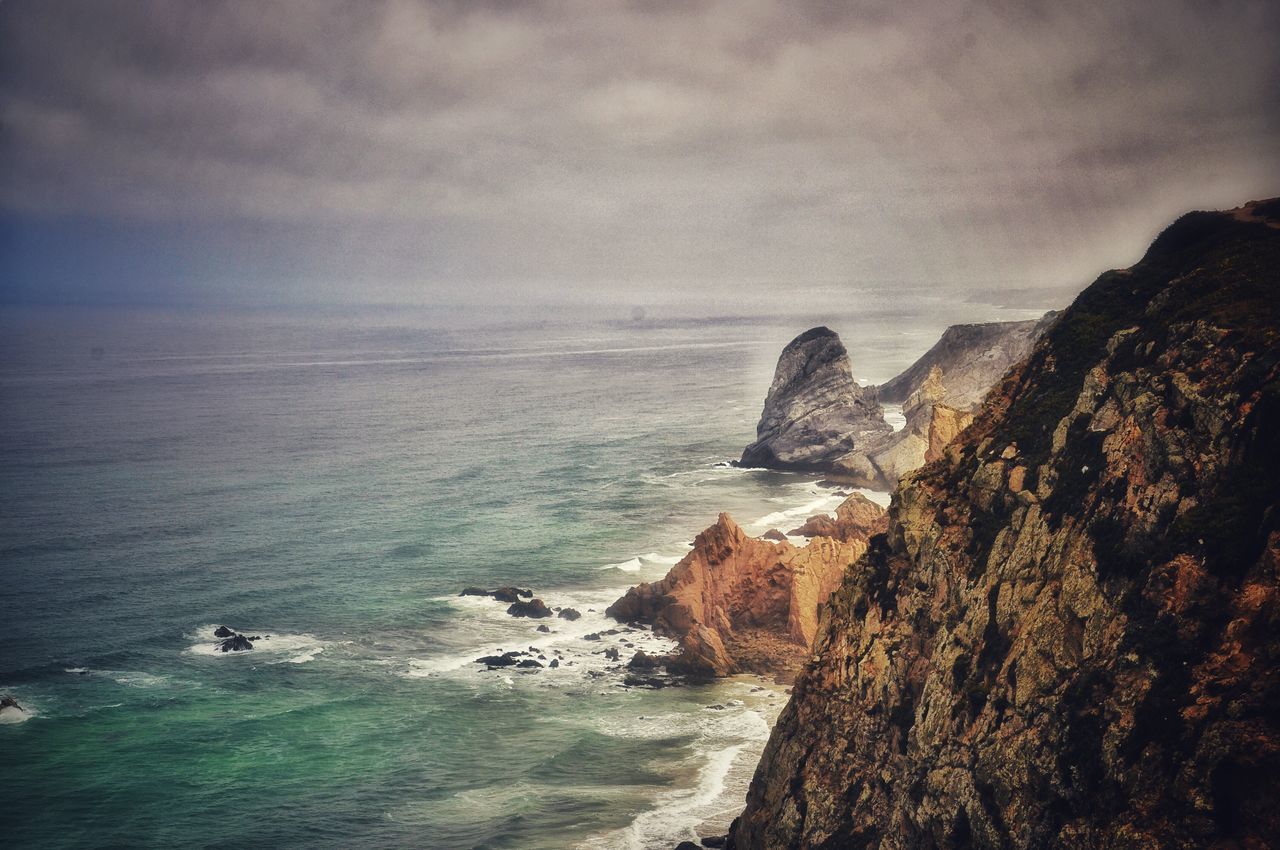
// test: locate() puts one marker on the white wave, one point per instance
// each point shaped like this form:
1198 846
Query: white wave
10 716
631 566
730 738
894 416
76 670
825 503
296 648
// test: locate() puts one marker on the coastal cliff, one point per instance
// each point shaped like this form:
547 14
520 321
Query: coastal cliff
816 418
1069 636
738 603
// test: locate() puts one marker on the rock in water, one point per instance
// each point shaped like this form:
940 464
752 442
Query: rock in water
815 411
222 632
736 602
570 614
1069 636
532 608
235 643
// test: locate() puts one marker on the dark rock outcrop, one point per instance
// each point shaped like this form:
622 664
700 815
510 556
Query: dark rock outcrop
223 632
815 411
533 608
501 594
1070 634
569 614
235 643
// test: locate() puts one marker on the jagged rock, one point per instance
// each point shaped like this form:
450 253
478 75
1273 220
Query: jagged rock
643 661
815 411
945 425
817 418
529 663
857 518
501 594
971 359
506 659
1086 657
223 632
532 608
738 603
612 653
774 534
235 643
7 701
568 614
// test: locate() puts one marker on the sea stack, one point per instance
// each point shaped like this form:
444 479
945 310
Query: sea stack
815 412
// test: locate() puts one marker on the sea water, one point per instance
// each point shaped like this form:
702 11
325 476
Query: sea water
332 480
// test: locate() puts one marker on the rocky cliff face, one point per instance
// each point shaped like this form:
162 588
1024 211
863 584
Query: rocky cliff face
1070 634
739 603
971 357
814 411
817 418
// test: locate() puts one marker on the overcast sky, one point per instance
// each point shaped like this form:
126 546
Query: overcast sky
631 152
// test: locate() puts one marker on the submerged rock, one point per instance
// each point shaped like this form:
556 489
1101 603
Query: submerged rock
501 594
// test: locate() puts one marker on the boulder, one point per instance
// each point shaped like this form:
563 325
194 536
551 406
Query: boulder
235 643
223 632
569 614
532 608
643 661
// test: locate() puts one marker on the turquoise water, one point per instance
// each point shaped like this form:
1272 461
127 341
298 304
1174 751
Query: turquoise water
332 480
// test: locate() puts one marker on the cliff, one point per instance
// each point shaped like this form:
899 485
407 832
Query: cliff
814 411
1069 635
739 603
973 358
816 418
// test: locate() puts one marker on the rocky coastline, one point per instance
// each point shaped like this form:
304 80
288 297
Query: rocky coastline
1068 637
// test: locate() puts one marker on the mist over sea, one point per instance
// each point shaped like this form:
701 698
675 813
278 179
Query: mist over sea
333 479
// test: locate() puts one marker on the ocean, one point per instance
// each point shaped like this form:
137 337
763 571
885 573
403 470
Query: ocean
333 479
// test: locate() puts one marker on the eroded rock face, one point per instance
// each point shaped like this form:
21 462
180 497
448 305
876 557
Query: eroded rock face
815 411
1070 634
739 603
970 359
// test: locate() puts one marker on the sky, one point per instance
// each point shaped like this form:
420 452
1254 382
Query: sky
735 152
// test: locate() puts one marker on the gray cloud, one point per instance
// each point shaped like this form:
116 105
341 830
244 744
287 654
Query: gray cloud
587 146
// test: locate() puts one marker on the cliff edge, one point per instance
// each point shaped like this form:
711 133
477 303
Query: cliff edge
1070 634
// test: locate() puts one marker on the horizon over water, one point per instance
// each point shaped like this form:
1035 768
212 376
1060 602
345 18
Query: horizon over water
333 479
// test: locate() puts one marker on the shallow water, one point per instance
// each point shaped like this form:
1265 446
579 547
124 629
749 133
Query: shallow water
333 481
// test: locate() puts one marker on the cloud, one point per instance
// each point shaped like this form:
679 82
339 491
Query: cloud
716 144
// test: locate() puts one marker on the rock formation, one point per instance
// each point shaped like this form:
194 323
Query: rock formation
814 421
739 603
973 358
815 411
1070 634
